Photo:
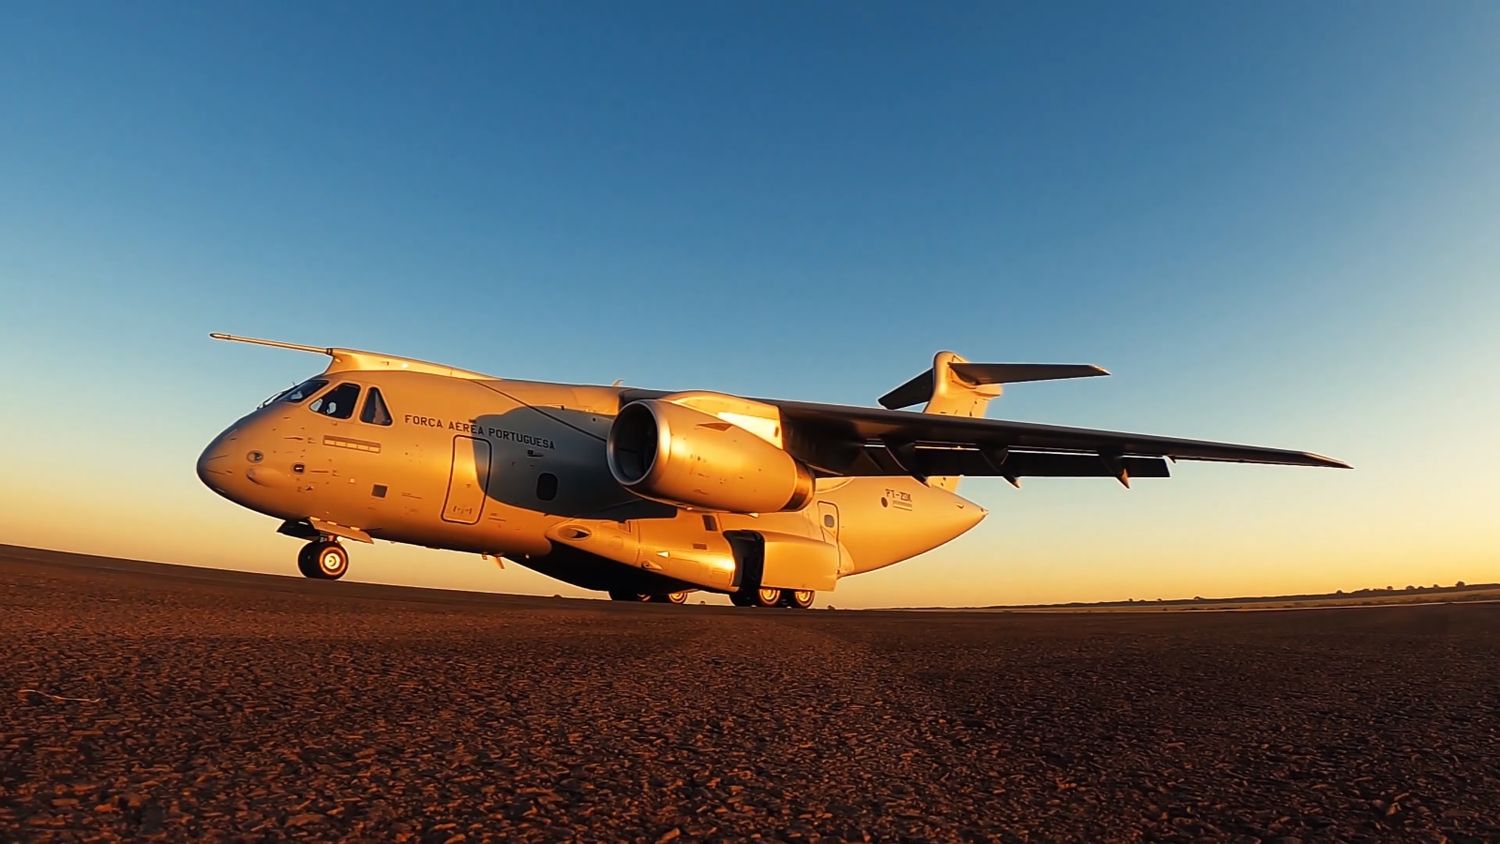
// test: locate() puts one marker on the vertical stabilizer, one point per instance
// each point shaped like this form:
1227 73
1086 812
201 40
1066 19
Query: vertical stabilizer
955 395
952 395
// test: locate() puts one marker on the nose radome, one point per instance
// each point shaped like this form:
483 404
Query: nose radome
214 463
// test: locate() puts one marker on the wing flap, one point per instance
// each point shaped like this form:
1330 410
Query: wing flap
931 461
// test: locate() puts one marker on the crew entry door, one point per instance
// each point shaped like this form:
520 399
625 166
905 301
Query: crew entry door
828 520
467 480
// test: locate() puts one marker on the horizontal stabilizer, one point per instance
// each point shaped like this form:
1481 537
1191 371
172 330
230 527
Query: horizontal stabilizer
920 388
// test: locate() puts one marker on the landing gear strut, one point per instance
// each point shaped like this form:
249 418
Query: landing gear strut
323 559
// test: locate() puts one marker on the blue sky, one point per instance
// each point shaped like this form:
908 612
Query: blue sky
1276 223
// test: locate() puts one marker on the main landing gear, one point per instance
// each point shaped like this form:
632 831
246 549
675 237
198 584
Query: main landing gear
678 597
324 559
766 597
797 599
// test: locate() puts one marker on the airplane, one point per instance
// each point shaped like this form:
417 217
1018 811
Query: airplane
647 495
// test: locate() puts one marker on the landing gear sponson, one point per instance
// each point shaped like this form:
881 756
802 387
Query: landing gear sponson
325 559
794 598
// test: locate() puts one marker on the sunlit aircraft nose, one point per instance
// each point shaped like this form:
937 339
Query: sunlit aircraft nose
214 463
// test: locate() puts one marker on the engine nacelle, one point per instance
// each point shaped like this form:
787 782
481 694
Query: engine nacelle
668 452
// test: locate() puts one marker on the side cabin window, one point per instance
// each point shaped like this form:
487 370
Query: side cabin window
337 403
296 394
375 412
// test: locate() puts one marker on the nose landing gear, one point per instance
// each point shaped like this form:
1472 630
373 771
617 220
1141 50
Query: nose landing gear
323 559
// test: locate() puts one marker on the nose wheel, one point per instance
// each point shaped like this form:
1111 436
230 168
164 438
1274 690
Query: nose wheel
323 559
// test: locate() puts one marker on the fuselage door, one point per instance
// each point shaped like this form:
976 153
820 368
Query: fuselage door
828 520
467 481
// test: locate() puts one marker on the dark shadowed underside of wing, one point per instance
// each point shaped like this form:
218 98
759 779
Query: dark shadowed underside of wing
868 441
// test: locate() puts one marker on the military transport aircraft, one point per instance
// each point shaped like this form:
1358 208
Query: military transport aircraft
649 494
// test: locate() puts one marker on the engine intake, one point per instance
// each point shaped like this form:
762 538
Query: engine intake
678 455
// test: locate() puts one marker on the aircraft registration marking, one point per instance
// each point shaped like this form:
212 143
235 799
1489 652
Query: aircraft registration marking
474 428
356 445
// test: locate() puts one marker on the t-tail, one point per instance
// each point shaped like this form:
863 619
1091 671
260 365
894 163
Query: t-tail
956 387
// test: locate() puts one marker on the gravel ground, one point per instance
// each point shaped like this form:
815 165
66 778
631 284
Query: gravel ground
234 706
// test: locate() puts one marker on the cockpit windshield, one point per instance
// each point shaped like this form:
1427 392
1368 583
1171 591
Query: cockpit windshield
296 394
338 402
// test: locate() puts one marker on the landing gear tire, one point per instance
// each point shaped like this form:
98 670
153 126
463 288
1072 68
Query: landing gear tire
766 597
740 599
797 599
306 562
323 560
679 597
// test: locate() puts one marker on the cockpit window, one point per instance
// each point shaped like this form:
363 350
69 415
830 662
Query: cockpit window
375 411
303 390
337 403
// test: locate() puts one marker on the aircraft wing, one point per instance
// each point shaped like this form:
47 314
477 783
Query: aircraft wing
844 440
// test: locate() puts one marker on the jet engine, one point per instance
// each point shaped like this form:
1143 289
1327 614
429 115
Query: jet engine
670 452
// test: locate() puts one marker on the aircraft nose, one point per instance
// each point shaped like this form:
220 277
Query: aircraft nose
214 463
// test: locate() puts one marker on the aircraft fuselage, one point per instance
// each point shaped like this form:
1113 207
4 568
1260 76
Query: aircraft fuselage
501 467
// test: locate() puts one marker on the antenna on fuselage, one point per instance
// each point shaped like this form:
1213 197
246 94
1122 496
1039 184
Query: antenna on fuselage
275 344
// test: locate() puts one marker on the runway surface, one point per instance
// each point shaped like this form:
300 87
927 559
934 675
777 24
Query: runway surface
246 706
